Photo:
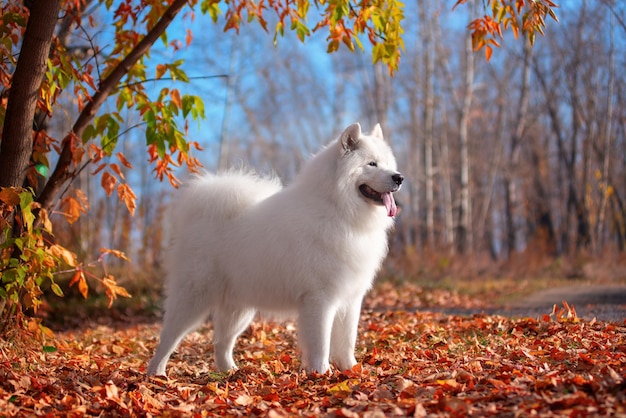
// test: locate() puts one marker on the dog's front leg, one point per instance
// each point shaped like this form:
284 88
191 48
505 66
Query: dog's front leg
343 338
315 320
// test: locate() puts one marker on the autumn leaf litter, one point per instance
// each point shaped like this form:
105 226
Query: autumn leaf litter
412 363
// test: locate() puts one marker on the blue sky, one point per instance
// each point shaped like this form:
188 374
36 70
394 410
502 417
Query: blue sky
210 55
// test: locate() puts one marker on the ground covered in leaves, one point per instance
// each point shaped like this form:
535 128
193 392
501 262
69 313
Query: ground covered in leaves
413 362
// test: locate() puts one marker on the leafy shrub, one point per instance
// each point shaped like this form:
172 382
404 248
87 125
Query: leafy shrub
30 259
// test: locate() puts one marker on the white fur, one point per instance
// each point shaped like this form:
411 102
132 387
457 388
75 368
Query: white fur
242 244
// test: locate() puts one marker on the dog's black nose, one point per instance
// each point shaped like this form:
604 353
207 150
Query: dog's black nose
398 178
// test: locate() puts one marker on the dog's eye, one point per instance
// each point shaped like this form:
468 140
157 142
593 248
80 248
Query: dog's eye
373 164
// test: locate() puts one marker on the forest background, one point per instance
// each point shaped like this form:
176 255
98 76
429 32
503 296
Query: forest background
515 164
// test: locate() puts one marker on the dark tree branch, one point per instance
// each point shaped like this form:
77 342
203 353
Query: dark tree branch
63 170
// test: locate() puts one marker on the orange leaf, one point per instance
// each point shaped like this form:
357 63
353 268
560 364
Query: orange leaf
112 289
116 253
80 102
96 153
9 196
108 182
244 400
87 78
123 160
82 199
584 357
83 288
127 196
63 254
79 278
117 170
71 209
450 384
160 70
99 168
45 220
76 276
112 391
175 94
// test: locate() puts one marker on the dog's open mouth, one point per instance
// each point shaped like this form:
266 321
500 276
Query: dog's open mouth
386 199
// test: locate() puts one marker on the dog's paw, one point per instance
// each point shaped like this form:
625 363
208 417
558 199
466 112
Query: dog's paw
345 364
321 367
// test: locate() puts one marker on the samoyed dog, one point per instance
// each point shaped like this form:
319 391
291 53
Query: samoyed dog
243 244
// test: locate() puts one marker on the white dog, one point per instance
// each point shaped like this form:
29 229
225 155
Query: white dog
243 244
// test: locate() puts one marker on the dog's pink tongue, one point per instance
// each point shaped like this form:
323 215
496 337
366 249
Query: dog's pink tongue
390 204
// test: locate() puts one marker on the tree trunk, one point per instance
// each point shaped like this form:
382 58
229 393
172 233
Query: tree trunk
446 170
444 148
17 136
485 237
542 235
428 116
464 237
382 93
619 221
412 238
233 67
567 160
606 145
511 193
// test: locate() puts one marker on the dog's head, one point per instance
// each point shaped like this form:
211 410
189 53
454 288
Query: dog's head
371 163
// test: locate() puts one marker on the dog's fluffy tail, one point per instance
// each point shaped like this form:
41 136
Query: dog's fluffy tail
220 197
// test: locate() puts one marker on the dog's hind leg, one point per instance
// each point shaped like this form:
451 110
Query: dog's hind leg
180 319
227 325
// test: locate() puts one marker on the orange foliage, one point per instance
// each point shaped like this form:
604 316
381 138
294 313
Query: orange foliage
527 17
410 364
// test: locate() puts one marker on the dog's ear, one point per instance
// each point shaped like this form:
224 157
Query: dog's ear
377 132
350 137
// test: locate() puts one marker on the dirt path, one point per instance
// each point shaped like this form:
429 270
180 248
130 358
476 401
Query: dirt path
602 302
